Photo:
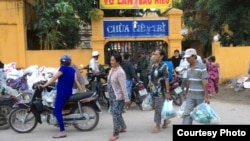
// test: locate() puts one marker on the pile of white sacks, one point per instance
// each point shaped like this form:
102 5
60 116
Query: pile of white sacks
37 73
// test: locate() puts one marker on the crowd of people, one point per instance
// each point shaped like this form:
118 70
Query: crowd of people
199 82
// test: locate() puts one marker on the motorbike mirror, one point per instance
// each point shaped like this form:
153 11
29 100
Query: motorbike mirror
81 65
86 67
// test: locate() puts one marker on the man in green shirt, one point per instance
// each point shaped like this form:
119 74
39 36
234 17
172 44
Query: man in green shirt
143 68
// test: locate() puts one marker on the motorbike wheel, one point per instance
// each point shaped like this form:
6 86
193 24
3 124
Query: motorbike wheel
105 96
90 121
137 99
177 99
22 121
140 107
4 112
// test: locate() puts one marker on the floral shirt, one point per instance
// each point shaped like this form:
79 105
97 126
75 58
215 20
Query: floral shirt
213 70
158 76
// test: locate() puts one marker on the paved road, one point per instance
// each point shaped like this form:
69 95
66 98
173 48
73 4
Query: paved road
139 125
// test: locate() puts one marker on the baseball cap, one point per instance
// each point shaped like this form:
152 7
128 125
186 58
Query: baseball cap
189 52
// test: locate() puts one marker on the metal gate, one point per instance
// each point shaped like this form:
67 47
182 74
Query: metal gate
133 47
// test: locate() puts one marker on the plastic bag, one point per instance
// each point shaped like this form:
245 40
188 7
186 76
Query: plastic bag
168 110
49 97
147 103
180 112
204 113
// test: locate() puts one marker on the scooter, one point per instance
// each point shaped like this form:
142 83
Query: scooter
139 92
96 84
81 110
8 97
176 91
6 104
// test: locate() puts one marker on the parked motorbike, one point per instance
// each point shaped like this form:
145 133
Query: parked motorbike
8 97
139 92
98 83
6 104
81 111
176 91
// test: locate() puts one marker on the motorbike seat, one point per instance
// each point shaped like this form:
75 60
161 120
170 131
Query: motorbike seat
172 82
78 96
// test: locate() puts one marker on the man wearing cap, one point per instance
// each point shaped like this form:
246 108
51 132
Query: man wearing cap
143 68
93 63
196 86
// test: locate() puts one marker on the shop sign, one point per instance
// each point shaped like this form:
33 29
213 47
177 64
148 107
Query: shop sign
135 4
135 28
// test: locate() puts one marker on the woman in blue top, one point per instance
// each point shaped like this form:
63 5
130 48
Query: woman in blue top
66 78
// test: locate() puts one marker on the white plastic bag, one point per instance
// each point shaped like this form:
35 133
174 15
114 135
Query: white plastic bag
49 98
168 110
204 113
147 103
180 112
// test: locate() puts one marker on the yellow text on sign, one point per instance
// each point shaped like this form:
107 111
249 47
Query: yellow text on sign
135 4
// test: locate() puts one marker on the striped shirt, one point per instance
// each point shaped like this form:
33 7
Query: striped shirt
195 77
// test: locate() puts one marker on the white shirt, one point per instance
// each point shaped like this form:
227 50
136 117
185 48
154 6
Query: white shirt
94 65
184 64
199 59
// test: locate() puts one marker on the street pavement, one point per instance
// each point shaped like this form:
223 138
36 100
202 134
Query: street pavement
139 125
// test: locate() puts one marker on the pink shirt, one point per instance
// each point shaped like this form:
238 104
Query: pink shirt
117 79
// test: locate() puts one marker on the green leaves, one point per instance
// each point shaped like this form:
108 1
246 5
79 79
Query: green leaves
58 22
208 17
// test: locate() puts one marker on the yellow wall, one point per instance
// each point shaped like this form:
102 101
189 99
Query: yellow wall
233 60
50 58
13 38
12 41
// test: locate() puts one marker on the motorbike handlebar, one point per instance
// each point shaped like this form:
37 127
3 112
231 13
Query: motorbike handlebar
139 82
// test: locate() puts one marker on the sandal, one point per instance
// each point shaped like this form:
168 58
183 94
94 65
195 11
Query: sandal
59 136
156 130
165 124
113 138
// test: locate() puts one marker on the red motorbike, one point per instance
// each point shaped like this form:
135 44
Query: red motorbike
176 91
139 92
